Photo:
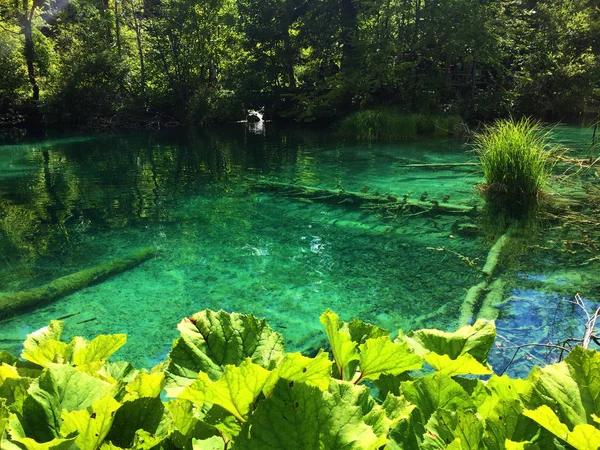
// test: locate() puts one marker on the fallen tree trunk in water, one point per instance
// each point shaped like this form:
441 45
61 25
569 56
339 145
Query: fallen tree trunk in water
365 200
480 299
13 302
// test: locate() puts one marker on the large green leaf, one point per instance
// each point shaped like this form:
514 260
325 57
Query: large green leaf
59 388
571 388
436 391
211 443
54 444
144 413
91 424
463 365
13 387
476 340
461 428
582 437
98 350
296 367
4 414
500 407
305 418
43 346
211 340
235 391
361 331
145 385
342 346
382 356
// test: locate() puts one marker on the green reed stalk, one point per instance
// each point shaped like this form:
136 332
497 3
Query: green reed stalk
515 159
389 124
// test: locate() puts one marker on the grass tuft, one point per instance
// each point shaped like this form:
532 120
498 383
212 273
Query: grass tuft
514 156
391 125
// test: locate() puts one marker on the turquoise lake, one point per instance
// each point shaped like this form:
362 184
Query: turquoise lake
68 204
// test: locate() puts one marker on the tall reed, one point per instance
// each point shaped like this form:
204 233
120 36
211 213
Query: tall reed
514 156
389 124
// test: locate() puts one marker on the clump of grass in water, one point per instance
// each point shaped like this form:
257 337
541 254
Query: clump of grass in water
389 124
514 156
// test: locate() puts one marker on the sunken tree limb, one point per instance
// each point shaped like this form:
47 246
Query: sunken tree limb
13 302
364 200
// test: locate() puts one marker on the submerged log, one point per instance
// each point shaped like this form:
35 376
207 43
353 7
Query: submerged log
481 298
13 302
389 203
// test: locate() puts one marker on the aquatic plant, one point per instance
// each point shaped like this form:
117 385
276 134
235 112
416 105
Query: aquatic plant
514 156
225 392
390 124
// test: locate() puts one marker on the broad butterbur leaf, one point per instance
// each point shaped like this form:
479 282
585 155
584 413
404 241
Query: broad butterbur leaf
476 340
463 365
145 413
211 340
307 418
571 388
512 445
296 367
212 443
436 391
145 385
343 348
235 391
59 388
54 444
98 349
382 356
91 424
42 346
361 331
582 437
462 428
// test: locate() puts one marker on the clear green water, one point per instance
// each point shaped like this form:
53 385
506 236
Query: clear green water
70 204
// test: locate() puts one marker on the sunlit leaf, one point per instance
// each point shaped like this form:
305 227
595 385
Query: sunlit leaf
476 340
296 367
91 424
59 388
582 437
463 365
235 391
43 346
458 427
308 418
98 349
382 356
211 340
343 348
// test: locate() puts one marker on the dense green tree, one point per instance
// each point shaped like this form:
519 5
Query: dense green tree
144 62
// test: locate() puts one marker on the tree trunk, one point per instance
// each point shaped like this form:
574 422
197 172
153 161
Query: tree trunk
138 38
289 60
349 34
29 51
118 26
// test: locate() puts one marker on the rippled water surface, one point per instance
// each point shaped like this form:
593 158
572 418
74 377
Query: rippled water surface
74 203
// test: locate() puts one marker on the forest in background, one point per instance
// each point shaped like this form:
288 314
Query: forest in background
108 64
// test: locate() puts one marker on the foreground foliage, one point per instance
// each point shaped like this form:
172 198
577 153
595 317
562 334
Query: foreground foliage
229 384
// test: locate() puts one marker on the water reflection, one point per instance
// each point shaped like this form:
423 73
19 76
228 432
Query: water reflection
67 189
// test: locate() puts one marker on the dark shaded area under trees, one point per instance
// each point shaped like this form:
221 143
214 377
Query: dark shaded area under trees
158 63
